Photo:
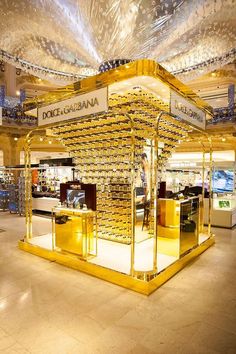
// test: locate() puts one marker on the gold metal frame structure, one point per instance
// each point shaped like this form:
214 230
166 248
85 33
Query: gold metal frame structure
144 67
106 148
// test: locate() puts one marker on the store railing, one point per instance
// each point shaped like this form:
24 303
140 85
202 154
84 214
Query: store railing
223 115
16 117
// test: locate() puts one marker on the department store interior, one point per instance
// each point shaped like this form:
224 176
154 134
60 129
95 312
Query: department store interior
117 157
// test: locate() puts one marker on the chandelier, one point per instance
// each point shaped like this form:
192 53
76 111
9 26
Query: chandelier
65 40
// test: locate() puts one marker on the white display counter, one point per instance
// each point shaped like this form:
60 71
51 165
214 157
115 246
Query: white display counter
223 211
44 203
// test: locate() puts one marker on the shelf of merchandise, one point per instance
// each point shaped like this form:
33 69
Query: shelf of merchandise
6 177
105 151
4 200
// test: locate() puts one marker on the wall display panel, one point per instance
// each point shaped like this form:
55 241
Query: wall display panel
105 151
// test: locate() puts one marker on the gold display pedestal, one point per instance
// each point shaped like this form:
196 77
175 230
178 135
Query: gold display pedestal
141 286
77 234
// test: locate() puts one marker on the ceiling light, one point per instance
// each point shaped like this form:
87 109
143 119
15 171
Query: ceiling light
41 139
50 141
213 74
15 138
223 139
18 93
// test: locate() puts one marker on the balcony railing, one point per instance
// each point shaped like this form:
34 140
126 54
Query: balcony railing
16 117
223 115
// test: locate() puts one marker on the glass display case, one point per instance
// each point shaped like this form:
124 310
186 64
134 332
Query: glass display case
46 182
223 212
4 199
12 189
224 202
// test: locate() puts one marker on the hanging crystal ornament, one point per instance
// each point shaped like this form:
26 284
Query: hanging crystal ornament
112 64
43 72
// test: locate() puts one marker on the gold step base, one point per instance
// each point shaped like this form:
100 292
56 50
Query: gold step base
127 281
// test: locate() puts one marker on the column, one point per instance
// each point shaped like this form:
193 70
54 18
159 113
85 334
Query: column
10 79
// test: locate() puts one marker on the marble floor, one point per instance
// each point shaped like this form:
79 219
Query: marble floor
47 308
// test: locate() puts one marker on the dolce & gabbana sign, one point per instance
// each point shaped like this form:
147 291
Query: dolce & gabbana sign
186 110
75 107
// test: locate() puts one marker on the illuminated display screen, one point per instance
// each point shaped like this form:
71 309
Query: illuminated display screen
75 197
223 181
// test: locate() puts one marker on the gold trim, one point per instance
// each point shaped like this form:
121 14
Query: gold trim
142 67
126 281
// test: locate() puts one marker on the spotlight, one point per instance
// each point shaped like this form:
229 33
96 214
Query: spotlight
15 138
223 139
50 141
18 93
41 139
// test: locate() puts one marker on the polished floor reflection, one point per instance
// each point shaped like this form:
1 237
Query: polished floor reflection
48 308
117 256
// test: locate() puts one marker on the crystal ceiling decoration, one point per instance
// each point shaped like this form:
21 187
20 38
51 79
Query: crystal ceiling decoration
68 39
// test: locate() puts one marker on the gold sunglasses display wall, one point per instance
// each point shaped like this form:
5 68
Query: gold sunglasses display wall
107 152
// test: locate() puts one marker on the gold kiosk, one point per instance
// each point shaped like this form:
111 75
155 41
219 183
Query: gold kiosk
121 127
